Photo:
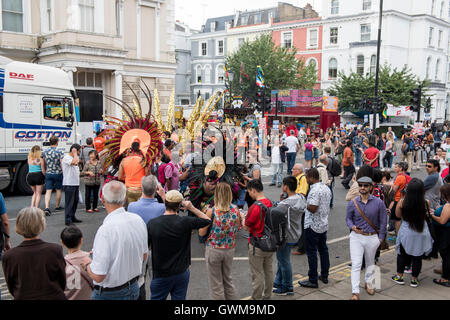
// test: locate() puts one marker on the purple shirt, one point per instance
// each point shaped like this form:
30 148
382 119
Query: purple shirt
173 174
375 211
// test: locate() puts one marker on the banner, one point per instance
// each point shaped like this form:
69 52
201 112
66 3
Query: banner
401 111
330 104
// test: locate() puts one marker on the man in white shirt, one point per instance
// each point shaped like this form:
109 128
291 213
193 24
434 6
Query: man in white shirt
120 248
294 147
71 183
277 164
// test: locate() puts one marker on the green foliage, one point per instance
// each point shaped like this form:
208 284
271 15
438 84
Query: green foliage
281 68
394 87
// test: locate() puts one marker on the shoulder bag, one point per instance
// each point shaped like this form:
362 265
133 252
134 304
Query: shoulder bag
384 245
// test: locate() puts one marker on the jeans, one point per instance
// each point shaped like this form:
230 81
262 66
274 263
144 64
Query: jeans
71 196
94 189
283 278
129 293
290 156
348 175
358 158
277 169
175 285
387 160
317 242
404 259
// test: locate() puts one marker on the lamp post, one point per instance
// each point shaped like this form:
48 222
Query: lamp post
375 111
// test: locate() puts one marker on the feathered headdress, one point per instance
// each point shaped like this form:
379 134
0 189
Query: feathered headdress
133 128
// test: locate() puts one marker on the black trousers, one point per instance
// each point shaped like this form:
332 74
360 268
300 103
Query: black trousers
348 175
71 194
87 197
404 259
445 255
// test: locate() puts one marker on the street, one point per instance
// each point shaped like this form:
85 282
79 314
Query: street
337 236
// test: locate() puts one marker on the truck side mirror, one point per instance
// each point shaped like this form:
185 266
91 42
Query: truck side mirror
70 108
69 125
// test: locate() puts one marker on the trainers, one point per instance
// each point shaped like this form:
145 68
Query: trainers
408 270
414 283
283 292
47 211
59 208
398 280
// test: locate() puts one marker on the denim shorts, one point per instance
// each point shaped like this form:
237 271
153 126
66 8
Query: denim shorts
53 181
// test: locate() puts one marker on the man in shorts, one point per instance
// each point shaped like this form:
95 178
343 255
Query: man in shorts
54 175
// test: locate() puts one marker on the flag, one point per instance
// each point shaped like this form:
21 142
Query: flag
226 71
259 77
385 113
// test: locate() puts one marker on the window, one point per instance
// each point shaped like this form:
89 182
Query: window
118 22
287 39
448 76
220 74
208 74
334 6
12 15
373 64
436 72
199 74
333 35
213 26
367 4
430 36
88 79
332 68
257 18
360 64
244 20
206 96
241 42
203 49
365 32
48 13
57 109
220 47
87 15
428 68
442 10
313 62
313 38
439 39
432 6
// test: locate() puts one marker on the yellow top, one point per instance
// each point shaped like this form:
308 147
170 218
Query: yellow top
302 185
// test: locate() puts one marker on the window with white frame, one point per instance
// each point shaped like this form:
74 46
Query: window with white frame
373 64
203 48
333 35
442 10
439 38
118 18
220 72
88 79
198 74
436 72
286 41
244 19
367 4
48 15
313 38
433 2
428 68
207 74
12 15
334 6
430 36
360 65
213 26
332 68
257 18
365 32
220 49
312 61
87 9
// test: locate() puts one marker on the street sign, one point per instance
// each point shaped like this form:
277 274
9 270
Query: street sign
427 116
366 118
276 124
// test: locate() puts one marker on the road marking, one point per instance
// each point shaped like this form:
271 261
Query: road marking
338 239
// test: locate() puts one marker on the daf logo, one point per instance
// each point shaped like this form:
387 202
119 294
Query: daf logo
21 76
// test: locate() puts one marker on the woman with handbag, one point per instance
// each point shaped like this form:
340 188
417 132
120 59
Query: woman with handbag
220 243
414 238
441 223
366 217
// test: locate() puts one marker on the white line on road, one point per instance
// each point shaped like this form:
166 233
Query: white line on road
338 239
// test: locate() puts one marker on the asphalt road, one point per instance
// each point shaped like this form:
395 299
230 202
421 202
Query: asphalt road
338 243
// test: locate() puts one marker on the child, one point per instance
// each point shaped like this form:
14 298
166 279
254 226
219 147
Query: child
79 285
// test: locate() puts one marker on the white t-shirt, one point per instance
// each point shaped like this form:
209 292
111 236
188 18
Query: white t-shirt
71 174
119 247
276 157
291 143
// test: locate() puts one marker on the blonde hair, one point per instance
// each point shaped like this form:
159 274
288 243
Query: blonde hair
35 153
390 137
30 222
223 197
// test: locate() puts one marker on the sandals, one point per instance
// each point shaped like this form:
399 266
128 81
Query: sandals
355 296
442 283
369 290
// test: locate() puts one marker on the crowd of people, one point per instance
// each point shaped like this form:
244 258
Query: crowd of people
154 209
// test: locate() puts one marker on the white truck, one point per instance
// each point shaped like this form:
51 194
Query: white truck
36 102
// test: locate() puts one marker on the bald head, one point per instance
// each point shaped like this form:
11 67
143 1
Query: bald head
297 169
323 159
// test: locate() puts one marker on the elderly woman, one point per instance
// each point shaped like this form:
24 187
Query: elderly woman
34 270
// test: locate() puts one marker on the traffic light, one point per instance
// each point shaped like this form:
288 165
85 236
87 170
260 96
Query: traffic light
416 96
428 106
268 103
258 100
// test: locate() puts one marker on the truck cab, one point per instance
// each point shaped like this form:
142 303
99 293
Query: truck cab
36 102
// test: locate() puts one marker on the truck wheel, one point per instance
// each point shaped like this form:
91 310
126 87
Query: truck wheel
21 183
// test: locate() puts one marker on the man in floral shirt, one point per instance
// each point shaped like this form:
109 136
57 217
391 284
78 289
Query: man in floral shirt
316 227
54 176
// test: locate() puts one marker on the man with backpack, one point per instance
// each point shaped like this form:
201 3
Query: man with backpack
260 261
316 227
334 169
294 206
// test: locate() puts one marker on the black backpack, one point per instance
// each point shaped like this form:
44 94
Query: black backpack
274 233
335 167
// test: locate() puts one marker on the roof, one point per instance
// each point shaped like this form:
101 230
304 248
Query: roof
256 17
220 23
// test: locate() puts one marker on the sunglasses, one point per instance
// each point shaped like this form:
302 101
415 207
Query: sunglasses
430 166
364 185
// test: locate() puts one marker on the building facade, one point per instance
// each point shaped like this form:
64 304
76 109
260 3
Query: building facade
102 44
183 58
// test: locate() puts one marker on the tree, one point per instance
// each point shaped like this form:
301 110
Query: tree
394 87
281 68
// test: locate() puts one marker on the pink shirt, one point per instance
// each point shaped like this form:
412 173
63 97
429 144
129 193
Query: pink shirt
173 174
79 285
